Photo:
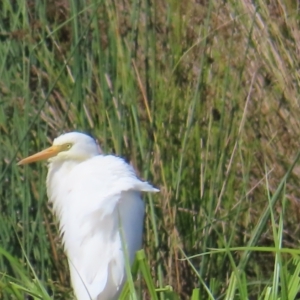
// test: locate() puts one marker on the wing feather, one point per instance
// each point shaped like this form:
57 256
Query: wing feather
95 196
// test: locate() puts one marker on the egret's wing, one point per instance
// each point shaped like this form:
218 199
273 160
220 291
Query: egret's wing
100 192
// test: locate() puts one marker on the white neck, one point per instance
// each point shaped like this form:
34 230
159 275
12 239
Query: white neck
56 183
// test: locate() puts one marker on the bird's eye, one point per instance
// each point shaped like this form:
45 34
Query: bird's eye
68 146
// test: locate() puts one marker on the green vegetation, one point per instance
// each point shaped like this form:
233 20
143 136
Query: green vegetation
201 97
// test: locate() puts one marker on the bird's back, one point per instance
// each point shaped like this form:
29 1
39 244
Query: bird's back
97 198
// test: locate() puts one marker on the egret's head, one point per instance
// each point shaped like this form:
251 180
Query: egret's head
69 146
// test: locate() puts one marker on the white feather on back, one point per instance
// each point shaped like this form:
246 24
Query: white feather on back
89 199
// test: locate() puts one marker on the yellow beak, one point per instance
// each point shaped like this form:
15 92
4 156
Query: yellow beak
45 154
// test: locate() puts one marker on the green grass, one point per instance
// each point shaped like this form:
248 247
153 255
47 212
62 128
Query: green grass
201 97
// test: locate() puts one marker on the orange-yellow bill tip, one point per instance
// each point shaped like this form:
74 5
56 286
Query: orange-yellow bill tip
45 154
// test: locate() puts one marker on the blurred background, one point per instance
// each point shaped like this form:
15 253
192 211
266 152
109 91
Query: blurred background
201 97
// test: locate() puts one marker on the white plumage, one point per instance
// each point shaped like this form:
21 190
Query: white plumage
93 196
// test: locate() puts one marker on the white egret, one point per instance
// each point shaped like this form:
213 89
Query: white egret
93 196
